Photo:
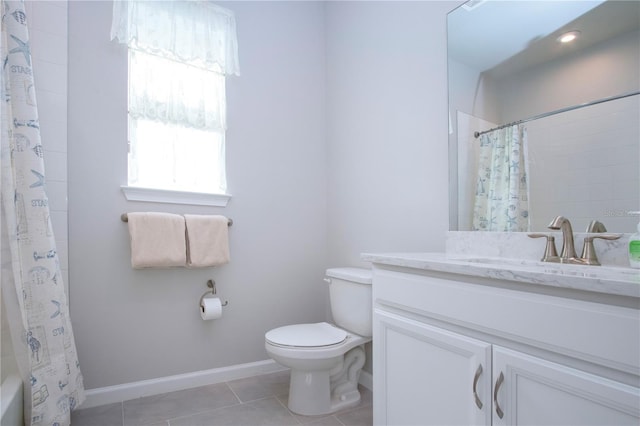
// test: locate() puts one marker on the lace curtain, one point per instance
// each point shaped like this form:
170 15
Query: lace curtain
194 32
179 53
502 191
175 93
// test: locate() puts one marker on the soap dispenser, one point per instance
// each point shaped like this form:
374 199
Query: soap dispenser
634 245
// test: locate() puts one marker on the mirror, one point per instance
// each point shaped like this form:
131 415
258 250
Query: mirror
579 102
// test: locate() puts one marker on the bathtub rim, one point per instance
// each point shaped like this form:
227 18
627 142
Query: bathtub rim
11 396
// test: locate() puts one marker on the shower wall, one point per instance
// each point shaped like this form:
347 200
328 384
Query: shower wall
585 166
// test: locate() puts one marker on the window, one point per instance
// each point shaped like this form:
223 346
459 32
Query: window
176 125
179 55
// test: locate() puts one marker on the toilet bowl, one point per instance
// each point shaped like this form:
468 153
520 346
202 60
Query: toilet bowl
326 359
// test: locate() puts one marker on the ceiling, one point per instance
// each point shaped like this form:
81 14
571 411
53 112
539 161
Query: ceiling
478 34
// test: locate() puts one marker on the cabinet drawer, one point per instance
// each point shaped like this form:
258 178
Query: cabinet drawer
603 334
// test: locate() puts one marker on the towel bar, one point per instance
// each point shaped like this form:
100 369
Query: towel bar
125 218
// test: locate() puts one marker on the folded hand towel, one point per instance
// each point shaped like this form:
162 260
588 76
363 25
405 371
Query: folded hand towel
207 240
157 240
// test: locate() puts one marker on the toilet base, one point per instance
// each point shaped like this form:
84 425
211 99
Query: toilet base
309 392
313 393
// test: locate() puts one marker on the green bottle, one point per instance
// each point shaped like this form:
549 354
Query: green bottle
634 246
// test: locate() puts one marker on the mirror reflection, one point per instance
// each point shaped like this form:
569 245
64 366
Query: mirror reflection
540 127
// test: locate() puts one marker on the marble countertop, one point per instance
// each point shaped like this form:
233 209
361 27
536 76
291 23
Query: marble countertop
615 280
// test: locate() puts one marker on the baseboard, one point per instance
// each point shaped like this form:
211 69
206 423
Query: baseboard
366 380
126 391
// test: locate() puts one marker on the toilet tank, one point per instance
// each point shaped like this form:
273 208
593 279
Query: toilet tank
350 298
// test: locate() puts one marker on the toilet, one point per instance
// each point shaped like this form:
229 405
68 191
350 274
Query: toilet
326 359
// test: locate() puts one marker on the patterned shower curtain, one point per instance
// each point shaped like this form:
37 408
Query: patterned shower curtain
502 191
32 285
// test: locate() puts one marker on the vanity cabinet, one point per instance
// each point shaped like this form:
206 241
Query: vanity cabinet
428 376
532 391
455 350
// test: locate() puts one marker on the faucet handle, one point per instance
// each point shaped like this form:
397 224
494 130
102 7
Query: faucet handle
596 226
588 255
550 253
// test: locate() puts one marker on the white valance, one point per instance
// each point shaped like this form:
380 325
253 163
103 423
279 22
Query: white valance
189 31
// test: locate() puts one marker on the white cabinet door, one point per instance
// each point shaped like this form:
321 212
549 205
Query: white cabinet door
534 391
423 375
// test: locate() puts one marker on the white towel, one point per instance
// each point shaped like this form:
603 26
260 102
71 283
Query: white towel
157 240
207 240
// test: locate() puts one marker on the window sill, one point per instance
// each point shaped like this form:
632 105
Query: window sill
135 193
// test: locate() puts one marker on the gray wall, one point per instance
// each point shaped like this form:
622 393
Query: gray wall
132 325
337 144
386 127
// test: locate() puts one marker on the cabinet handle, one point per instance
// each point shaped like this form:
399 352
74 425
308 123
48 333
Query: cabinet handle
499 382
475 385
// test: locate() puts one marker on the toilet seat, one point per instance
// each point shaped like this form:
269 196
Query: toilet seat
306 336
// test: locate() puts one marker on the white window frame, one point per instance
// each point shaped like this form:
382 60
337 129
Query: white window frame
161 194
192 36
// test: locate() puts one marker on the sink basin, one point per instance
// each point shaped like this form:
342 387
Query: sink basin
552 267
502 261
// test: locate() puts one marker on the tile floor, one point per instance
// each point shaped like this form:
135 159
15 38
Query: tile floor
259 400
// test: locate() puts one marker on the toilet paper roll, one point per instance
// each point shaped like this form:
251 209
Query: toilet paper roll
210 308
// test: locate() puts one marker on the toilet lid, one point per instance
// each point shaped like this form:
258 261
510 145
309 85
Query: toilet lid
306 335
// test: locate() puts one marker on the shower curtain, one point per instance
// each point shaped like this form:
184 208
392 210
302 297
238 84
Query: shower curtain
32 287
502 191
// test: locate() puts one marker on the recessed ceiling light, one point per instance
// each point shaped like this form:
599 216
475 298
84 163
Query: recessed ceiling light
568 37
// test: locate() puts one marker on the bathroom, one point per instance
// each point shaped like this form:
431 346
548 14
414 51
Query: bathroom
336 145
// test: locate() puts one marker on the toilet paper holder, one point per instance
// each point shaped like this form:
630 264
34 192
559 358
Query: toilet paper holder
212 285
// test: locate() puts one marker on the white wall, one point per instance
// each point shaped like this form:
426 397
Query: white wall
132 325
337 144
386 127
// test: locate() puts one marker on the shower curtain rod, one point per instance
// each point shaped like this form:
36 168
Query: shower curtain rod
558 111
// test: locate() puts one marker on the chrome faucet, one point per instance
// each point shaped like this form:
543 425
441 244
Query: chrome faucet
588 255
596 226
568 252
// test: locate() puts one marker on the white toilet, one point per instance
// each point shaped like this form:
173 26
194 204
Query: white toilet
325 359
